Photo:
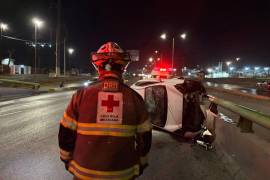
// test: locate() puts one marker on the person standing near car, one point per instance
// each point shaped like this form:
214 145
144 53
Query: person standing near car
105 132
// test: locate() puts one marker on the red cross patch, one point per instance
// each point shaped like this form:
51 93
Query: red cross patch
110 108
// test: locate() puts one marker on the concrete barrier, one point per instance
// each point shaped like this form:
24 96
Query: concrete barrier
51 90
14 83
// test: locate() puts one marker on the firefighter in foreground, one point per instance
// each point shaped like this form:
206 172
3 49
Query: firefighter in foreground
105 132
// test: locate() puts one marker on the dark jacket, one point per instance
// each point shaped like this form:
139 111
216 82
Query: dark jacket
105 131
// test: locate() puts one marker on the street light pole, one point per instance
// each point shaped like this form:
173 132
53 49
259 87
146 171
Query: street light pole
164 36
64 56
37 23
70 52
172 52
35 48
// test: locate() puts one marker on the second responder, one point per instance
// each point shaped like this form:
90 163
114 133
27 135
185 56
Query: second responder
105 132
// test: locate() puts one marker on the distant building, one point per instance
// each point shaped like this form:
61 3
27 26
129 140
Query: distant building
20 69
8 67
8 61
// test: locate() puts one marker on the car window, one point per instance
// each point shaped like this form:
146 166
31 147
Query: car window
156 104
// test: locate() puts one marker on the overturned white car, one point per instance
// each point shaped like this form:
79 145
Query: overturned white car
176 105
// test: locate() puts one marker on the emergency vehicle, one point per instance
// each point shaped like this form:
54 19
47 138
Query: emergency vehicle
162 73
176 105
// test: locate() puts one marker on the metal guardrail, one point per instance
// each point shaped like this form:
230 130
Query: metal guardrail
247 115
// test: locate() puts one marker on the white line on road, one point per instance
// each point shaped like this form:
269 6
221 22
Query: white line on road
10 113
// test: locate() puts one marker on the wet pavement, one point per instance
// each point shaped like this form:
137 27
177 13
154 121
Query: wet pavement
29 147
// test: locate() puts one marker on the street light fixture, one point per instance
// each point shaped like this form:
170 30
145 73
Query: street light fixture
228 63
38 24
3 27
163 36
70 51
151 59
238 58
183 36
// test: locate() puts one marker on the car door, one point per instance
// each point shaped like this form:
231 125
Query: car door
156 101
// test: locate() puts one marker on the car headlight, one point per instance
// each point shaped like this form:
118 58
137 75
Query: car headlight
86 83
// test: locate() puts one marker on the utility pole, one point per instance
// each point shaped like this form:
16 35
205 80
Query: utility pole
58 38
65 56
35 64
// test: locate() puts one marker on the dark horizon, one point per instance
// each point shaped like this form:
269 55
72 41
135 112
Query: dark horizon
217 30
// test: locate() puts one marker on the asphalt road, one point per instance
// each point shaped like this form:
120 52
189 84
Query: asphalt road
7 93
250 90
29 147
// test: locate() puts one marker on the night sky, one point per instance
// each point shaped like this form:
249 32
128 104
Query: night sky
217 30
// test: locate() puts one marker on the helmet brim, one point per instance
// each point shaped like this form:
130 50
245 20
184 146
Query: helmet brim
115 56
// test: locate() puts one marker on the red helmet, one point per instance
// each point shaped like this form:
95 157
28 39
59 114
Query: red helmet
110 57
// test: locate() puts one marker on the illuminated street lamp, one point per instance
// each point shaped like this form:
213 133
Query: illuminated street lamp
151 59
3 27
183 36
238 59
70 51
156 51
228 63
38 24
247 68
256 68
210 70
164 36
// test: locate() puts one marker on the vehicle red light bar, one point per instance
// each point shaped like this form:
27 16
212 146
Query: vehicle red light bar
163 69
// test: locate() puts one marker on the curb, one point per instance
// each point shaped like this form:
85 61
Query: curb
52 90
15 83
